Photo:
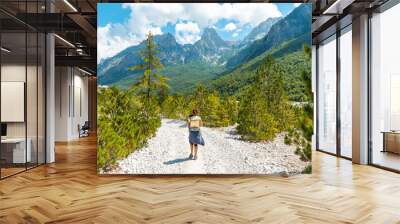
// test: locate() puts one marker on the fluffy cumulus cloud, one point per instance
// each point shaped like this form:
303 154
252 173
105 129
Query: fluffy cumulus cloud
187 33
152 17
154 30
205 14
230 27
112 39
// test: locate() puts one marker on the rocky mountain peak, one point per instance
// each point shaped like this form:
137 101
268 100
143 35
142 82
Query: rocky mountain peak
211 38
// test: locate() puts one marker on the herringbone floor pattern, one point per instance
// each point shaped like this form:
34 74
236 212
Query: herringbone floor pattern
70 191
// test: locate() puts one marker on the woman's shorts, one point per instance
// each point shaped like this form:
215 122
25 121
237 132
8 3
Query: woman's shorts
195 138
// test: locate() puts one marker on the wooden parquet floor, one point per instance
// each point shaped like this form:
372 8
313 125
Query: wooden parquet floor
70 191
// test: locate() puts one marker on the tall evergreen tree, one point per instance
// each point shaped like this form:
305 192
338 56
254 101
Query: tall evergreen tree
254 121
265 110
302 134
199 97
306 118
271 84
231 106
151 82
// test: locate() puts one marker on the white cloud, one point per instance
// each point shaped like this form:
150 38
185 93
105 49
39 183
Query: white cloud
296 4
154 30
187 33
112 39
235 35
145 15
153 16
205 14
230 27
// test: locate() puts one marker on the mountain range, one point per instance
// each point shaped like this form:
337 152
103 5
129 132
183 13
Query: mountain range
211 57
259 31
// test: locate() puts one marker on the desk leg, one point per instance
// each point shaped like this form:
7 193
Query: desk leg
384 142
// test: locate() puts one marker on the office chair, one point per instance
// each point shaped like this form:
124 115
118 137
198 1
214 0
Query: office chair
84 130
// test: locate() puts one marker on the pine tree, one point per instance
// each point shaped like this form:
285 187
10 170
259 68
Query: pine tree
151 82
265 110
254 121
199 98
302 133
231 105
271 84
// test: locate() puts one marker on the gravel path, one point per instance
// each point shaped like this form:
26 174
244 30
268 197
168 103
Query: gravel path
224 153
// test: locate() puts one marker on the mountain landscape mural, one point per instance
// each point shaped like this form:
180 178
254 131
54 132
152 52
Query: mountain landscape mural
249 81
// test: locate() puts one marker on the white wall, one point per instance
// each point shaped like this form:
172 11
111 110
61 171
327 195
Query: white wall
33 126
16 73
80 94
71 87
62 82
10 73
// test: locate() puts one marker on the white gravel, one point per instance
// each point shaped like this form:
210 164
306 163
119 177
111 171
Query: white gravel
223 153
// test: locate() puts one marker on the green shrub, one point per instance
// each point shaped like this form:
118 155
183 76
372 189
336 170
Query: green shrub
125 123
216 111
307 169
287 140
304 151
175 107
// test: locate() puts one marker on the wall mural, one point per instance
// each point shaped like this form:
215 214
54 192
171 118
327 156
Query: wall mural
195 88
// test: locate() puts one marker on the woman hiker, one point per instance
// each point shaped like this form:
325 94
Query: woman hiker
195 138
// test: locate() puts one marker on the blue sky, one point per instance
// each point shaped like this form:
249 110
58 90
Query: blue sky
121 25
114 13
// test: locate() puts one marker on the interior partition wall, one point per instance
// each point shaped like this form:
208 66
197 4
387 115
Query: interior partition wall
23 87
385 89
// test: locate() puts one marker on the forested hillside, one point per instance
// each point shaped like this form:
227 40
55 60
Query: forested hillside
293 60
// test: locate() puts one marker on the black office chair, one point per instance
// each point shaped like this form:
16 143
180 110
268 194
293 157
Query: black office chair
84 130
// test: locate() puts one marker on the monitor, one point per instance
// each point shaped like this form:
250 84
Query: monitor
3 129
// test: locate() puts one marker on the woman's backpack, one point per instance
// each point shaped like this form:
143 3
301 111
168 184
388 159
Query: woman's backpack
194 123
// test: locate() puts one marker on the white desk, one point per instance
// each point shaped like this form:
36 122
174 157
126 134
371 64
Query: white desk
18 149
391 141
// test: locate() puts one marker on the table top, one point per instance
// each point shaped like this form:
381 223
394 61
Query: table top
13 140
391 132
